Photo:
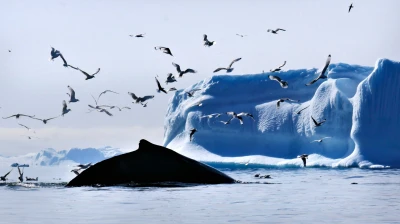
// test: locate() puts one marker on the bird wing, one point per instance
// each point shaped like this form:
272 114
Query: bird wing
189 70
73 67
23 126
133 96
273 77
104 92
98 70
240 119
147 97
105 111
65 62
312 82
328 61
279 29
72 92
9 116
304 160
205 38
172 89
7 174
284 63
159 85
64 105
159 48
303 109
278 104
170 75
219 69
48 119
19 171
126 108
269 30
178 68
85 73
315 122
237 59
92 107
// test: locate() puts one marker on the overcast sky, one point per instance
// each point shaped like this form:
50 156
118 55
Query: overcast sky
94 34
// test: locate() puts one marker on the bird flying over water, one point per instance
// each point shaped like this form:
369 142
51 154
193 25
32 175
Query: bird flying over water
229 68
192 131
279 68
207 42
320 140
181 73
283 83
317 124
165 50
71 95
159 87
322 75
350 7
303 157
275 31
140 99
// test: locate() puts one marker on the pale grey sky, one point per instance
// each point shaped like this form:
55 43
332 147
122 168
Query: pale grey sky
94 34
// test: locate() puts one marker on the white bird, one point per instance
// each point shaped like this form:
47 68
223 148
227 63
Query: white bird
140 99
207 42
181 73
71 95
283 83
65 109
245 114
320 140
322 75
229 68
278 103
279 68
275 31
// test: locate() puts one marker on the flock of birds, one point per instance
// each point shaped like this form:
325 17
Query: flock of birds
170 79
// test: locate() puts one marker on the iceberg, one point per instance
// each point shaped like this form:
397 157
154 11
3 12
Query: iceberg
360 104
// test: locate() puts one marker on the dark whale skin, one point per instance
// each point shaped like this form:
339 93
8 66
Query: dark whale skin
147 165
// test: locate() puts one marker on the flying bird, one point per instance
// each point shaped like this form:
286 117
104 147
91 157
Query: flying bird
317 124
21 175
165 50
234 115
275 31
240 35
46 120
283 83
350 7
172 89
65 109
278 103
76 171
55 54
84 166
299 112
322 75
71 95
102 110
4 178
9 50
170 78
181 73
229 68
160 88
28 128
246 114
19 115
191 92
207 42
104 92
303 157
320 140
279 68
192 131
140 99
211 116
138 35
86 74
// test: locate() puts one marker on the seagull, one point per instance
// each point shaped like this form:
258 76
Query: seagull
172 89
303 157
138 35
191 92
4 178
275 31
46 120
165 50
229 69
192 131
351 6
211 116
322 75
84 166
234 115
9 51
181 73
104 92
299 112
227 122
170 78
19 115
279 68
160 88
320 140
207 42
55 53
87 75
140 99
76 171
246 114
21 175
283 83
65 109
283 100
100 109
240 35
71 95
317 124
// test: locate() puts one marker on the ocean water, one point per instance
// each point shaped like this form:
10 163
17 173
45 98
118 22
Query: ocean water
294 195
